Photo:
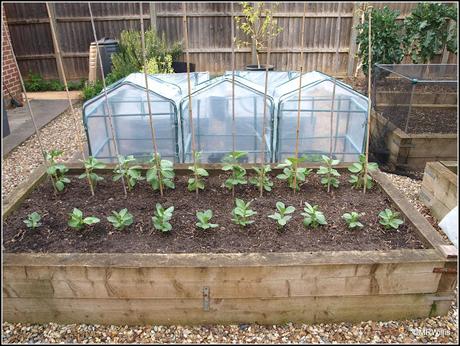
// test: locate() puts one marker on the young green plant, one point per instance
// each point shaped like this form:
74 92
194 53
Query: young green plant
389 219
330 174
91 164
262 180
358 168
162 217
196 182
56 170
282 216
352 219
132 174
161 173
203 219
238 172
77 221
120 220
292 173
312 216
241 213
33 220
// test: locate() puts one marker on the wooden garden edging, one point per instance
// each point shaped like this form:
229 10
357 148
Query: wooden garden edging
439 187
231 288
412 151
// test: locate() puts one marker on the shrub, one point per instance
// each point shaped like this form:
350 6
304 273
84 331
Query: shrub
56 170
77 221
161 218
282 216
290 170
389 219
312 216
352 219
161 169
120 219
357 179
427 31
196 181
33 220
386 35
131 174
262 177
330 173
241 213
203 219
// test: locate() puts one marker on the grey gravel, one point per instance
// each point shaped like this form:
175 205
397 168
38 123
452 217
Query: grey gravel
60 134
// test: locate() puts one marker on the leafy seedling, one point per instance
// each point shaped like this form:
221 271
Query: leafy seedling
77 220
91 164
352 219
121 219
290 170
196 181
161 169
241 213
329 173
203 219
358 168
33 220
389 219
131 174
56 170
262 178
238 172
282 216
312 216
161 218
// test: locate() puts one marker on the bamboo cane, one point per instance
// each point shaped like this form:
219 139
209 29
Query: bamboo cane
233 89
262 161
369 105
109 112
149 106
72 110
336 68
32 116
190 111
299 96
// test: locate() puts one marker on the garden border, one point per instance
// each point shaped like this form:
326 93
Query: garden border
230 288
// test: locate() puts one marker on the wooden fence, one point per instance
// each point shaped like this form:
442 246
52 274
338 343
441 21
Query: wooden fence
209 34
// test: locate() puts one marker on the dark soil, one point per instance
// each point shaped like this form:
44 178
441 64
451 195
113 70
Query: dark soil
423 120
263 236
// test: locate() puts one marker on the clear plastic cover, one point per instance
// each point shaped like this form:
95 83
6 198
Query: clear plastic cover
316 135
180 79
275 78
131 121
213 125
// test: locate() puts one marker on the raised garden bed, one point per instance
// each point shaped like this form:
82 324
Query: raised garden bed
439 187
403 151
223 275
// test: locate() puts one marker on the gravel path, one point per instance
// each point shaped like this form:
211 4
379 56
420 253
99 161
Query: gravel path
60 134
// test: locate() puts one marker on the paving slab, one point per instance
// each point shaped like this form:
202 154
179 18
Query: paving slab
21 125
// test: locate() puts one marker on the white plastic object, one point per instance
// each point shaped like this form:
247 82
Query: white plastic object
449 224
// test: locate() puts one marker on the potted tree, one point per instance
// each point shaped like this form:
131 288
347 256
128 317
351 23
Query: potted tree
260 27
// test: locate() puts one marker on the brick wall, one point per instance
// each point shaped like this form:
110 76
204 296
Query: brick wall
10 74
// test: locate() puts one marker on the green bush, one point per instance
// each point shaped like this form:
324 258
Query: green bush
386 35
427 31
35 82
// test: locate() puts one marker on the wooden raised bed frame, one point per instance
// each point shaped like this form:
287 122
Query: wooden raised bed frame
266 288
412 151
439 187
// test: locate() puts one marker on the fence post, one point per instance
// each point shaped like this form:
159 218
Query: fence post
153 16
445 52
56 51
353 35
